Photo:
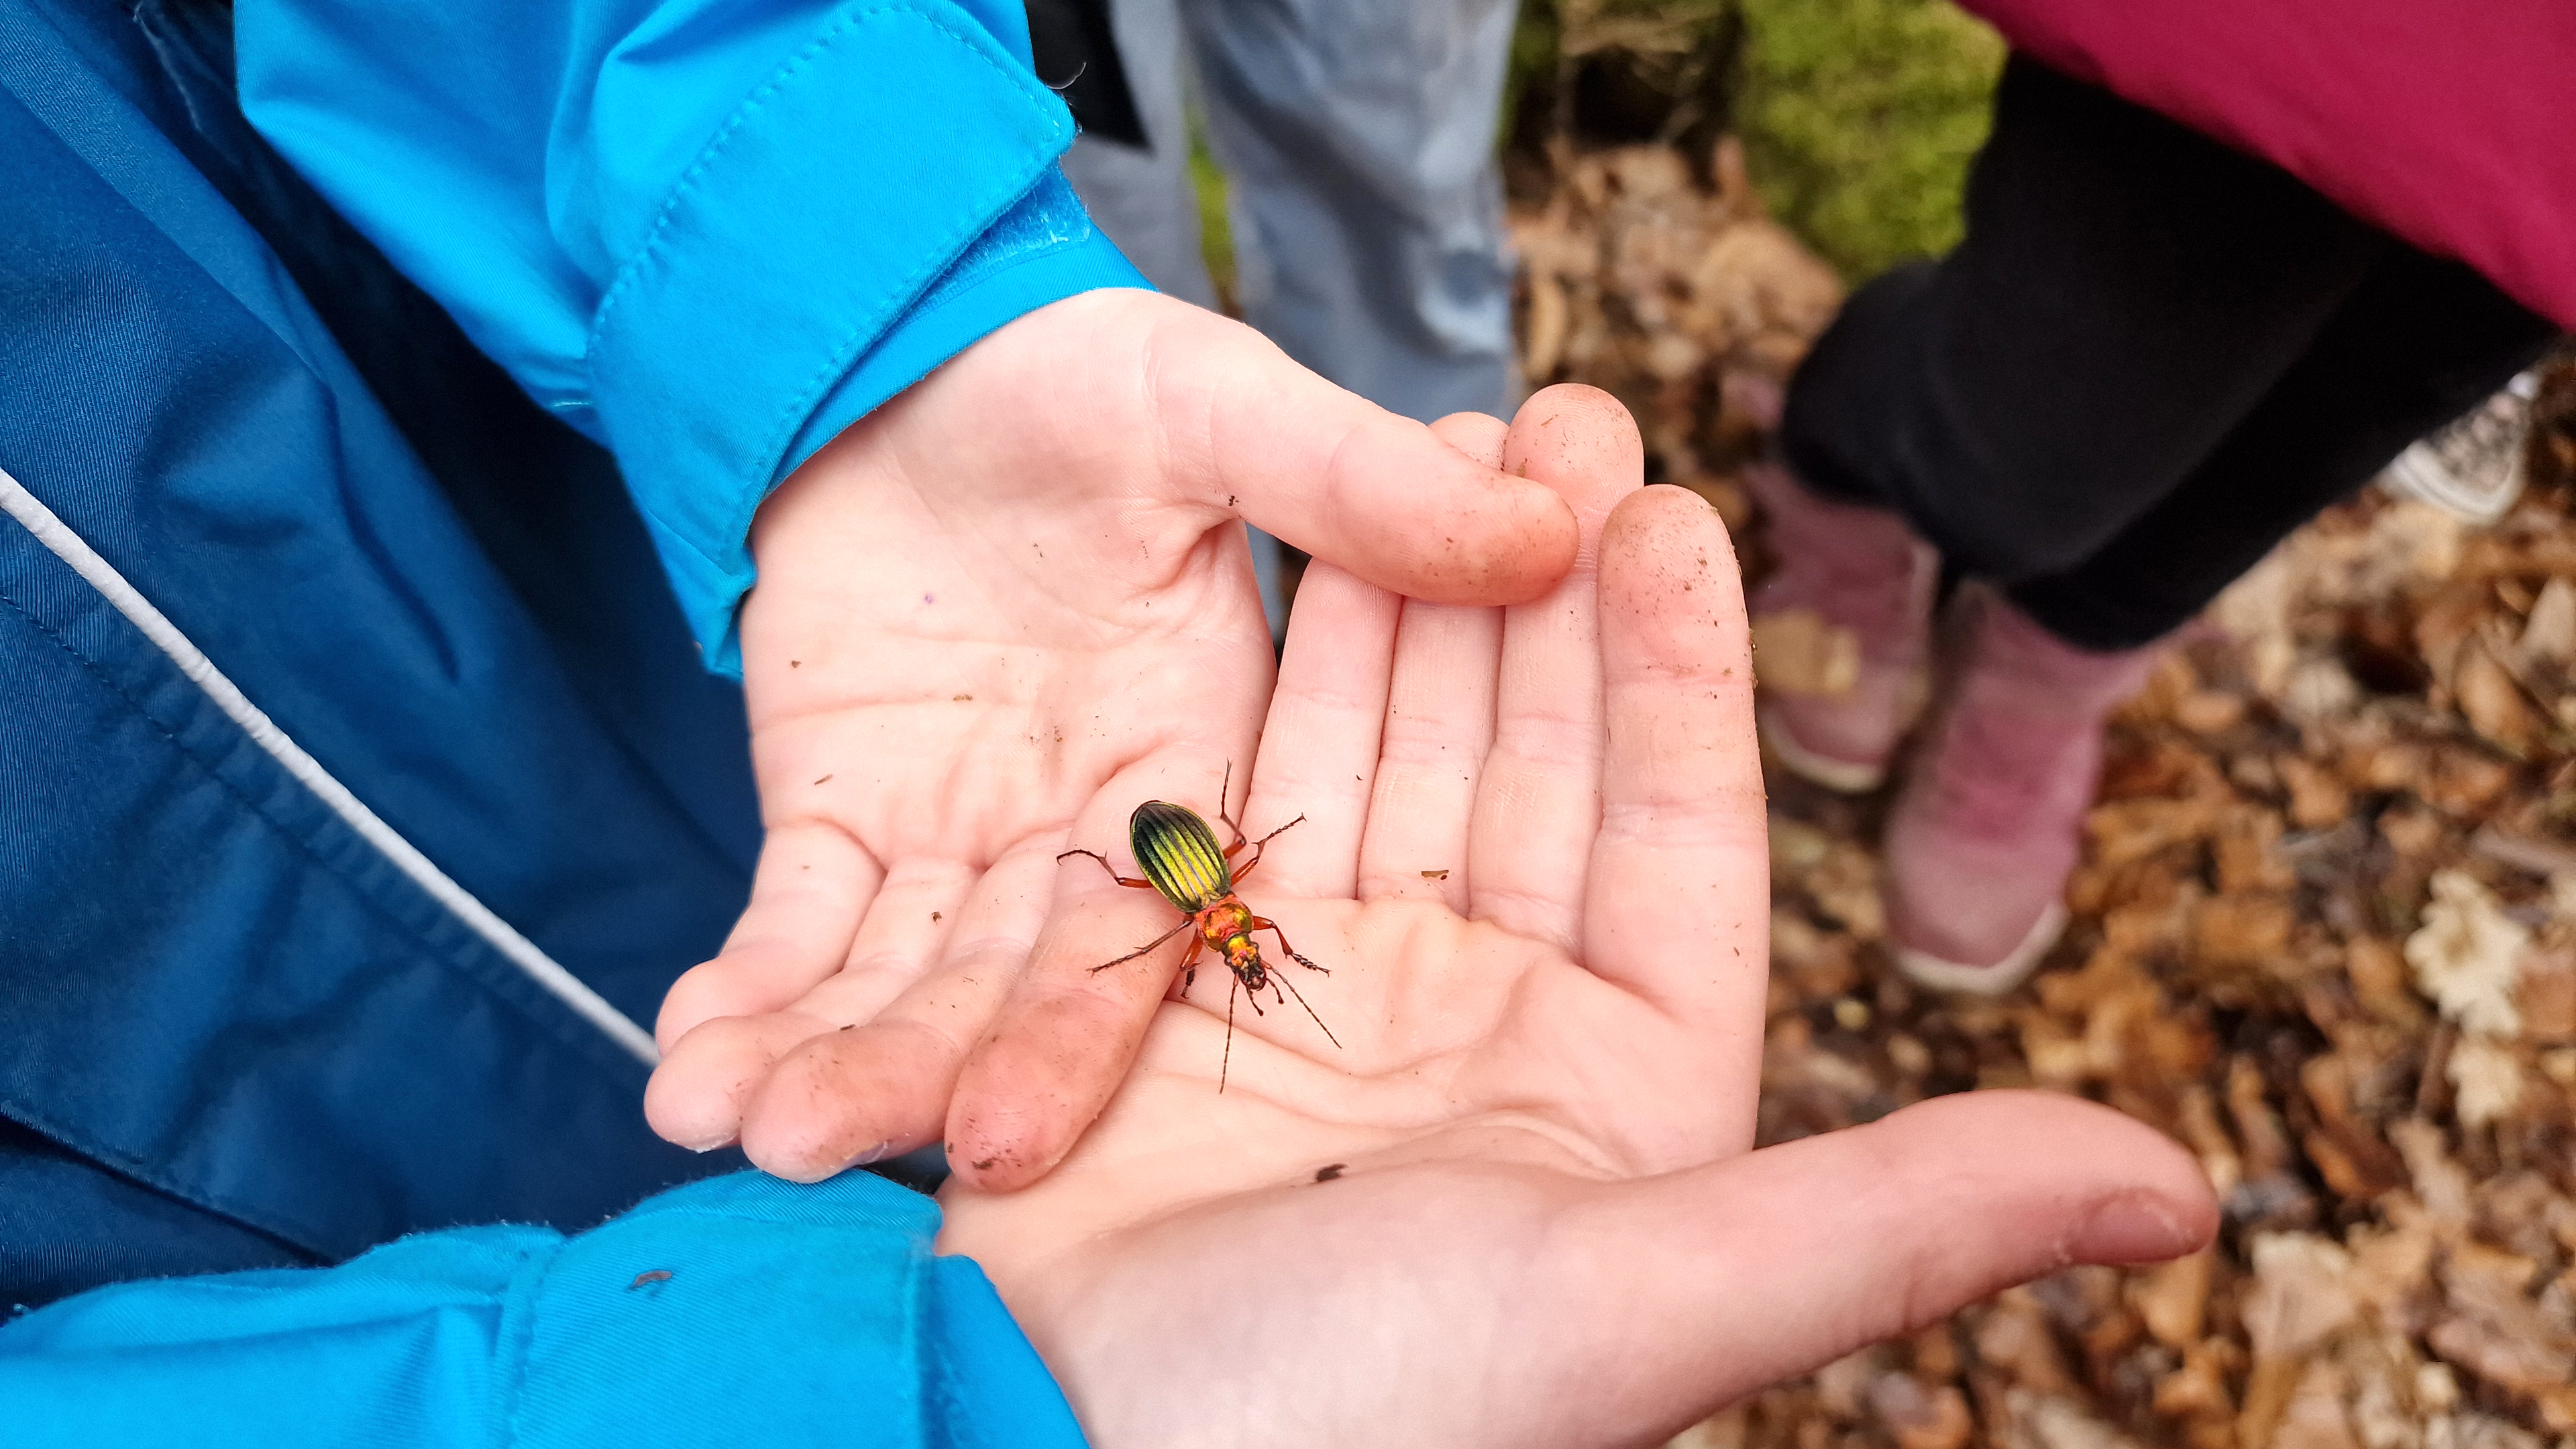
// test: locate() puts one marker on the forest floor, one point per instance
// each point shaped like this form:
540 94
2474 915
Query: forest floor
2324 933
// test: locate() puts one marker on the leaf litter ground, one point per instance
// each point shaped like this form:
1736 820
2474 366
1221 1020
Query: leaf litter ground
2324 933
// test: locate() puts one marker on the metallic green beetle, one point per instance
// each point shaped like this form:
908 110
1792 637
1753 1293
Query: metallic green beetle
1181 859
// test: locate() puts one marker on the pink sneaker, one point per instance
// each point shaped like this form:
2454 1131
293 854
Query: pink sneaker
1862 571
1986 830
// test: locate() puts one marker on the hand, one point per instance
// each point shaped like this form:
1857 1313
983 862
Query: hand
1003 608
1516 1205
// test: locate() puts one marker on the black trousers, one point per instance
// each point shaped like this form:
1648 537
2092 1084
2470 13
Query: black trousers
2151 358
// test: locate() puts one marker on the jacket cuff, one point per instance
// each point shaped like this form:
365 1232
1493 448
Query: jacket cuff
747 1309
1042 250
831 202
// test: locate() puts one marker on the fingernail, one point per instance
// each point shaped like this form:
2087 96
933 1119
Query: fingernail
2130 1227
877 1153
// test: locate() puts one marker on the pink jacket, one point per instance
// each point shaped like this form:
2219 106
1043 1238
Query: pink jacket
2451 123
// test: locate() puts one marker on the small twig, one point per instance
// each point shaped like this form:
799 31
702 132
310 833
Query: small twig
2540 857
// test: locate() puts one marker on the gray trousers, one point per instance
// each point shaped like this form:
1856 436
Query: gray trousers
1366 205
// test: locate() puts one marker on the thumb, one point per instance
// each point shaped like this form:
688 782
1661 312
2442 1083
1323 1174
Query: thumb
1349 482
1779 1261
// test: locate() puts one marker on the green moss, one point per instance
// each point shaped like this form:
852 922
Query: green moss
1859 118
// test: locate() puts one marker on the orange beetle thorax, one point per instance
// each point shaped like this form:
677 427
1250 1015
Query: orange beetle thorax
1227 928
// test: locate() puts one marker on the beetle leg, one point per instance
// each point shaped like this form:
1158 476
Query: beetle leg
1148 946
1264 923
1144 885
1189 967
1258 844
1228 821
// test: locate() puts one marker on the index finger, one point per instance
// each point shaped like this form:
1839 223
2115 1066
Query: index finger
1344 479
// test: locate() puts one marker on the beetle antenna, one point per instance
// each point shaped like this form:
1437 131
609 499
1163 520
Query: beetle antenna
1226 1063
1282 979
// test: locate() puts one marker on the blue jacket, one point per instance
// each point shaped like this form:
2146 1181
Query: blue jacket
376 471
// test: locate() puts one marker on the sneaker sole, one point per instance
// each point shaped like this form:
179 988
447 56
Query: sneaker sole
1840 776
1927 970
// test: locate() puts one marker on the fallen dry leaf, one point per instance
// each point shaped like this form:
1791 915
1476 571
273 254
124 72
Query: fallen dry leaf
2171 1299
2491 700
1920 1418
2301 1294
2549 631
2488 1078
1796 652
2467 954
2545 995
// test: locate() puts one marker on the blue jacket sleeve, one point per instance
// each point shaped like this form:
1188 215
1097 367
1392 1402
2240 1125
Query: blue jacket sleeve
739 1310
708 233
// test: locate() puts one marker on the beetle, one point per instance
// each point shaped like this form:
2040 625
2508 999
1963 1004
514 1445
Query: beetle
1181 859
